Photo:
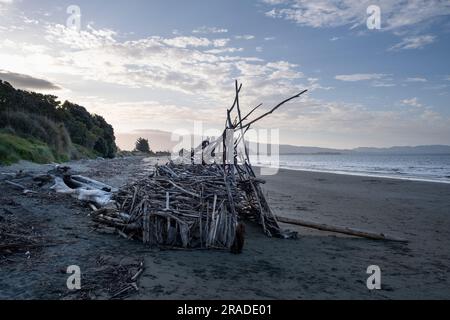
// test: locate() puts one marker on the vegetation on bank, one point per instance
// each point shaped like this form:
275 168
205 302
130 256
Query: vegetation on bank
142 148
39 128
14 148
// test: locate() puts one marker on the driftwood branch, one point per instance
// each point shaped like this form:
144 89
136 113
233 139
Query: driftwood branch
337 229
274 108
19 186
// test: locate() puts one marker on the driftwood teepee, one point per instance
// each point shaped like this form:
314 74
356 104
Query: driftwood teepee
198 202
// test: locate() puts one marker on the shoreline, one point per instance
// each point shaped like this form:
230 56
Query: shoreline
27 165
357 174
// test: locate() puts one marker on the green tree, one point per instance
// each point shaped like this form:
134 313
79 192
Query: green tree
142 145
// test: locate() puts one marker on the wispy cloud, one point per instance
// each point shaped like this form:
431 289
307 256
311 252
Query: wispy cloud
225 50
275 2
245 37
378 80
414 42
209 30
4 4
416 79
382 84
323 13
413 102
360 77
185 42
354 124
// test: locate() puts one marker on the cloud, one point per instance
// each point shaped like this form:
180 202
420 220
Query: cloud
3 5
202 68
245 37
360 77
208 30
334 39
437 87
313 84
352 124
126 116
414 42
225 50
269 38
24 81
81 40
275 2
184 42
413 102
381 84
338 13
378 80
337 123
416 79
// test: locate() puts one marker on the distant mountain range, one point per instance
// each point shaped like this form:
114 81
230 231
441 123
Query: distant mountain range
428 149
161 140
288 149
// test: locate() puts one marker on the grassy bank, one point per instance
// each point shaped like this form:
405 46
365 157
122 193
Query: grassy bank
14 148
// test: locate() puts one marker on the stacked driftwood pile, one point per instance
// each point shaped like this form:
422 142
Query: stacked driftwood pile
177 206
184 205
199 202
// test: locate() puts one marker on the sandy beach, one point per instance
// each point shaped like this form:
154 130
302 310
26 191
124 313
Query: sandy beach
317 265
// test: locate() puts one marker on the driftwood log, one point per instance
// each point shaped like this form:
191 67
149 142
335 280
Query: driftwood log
337 229
84 189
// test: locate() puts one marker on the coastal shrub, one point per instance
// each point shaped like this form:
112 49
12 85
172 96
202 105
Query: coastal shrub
38 127
68 130
14 148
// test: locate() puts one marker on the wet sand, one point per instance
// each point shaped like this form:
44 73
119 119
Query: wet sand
317 265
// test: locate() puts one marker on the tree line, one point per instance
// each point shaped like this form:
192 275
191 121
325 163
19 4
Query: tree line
68 129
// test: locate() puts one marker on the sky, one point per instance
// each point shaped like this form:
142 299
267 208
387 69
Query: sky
166 65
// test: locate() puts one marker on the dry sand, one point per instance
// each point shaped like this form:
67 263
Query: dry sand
315 266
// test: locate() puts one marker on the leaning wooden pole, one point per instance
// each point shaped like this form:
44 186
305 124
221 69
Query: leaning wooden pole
342 230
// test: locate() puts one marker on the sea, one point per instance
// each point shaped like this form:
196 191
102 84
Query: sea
421 167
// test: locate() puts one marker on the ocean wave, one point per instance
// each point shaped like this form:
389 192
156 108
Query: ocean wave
427 168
